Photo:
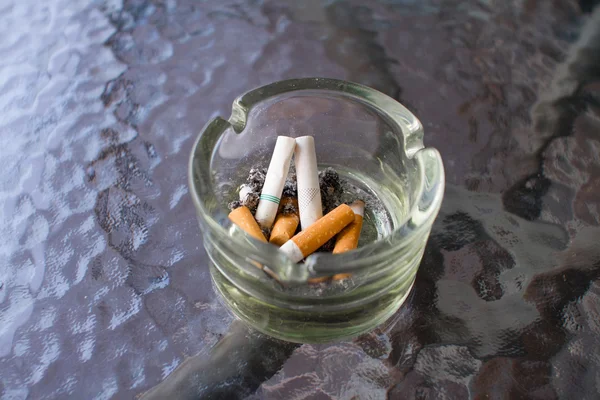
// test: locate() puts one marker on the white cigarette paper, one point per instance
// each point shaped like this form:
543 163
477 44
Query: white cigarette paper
292 250
274 181
358 207
310 206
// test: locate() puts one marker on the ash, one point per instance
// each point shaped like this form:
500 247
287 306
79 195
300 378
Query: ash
332 189
290 188
250 191
327 247
289 208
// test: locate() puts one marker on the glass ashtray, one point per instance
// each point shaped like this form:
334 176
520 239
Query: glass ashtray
376 145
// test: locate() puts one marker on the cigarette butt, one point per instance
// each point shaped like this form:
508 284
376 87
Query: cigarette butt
286 222
310 239
347 239
243 218
307 174
277 172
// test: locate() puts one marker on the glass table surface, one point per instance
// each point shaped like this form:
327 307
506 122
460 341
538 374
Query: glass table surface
104 285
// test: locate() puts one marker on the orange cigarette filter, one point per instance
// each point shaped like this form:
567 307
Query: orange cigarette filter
286 222
347 239
316 235
243 218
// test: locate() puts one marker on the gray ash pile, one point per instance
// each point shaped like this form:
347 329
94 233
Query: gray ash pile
332 189
249 192
290 189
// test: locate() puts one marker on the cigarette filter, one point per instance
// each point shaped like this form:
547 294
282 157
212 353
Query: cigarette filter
274 181
309 193
347 239
243 218
309 240
286 222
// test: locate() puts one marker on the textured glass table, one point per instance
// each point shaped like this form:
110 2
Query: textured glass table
104 284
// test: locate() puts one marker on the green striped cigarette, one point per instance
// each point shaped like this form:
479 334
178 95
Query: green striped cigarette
274 181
